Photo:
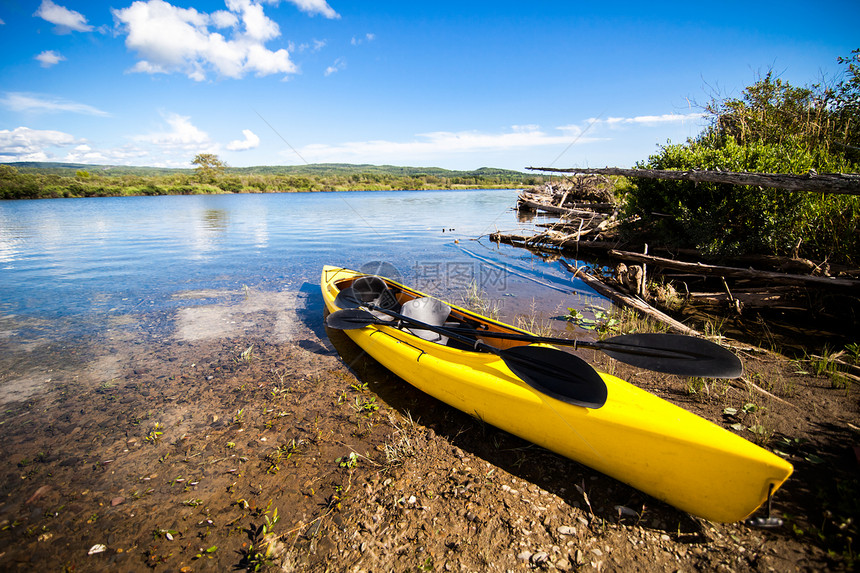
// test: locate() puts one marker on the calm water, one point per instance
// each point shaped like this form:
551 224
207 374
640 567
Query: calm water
76 261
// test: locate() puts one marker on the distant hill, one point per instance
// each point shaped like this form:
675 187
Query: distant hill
322 169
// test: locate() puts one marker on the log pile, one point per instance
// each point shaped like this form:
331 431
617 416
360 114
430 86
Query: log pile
584 204
677 282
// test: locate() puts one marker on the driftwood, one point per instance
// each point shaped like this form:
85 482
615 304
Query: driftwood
575 210
789 288
838 183
740 300
561 240
752 386
630 301
596 247
738 273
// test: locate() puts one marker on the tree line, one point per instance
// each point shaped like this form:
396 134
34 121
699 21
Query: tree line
211 175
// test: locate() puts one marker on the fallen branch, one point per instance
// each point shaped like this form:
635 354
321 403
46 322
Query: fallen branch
627 300
538 200
744 299
577 211
735 272
838 183
600 247
760 390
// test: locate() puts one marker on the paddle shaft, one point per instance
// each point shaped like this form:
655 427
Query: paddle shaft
547 369
669 353
599 345
476 344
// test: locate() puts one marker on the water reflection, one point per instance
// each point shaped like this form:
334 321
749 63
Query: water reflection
215 219
8 248
64 258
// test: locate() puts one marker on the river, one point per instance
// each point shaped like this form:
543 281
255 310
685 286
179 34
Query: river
78 267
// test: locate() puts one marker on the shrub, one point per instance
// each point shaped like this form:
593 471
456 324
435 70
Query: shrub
773 128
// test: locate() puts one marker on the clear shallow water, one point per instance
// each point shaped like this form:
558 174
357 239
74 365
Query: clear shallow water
81 259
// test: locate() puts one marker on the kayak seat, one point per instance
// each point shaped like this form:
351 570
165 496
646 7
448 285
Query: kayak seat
374 290
429 311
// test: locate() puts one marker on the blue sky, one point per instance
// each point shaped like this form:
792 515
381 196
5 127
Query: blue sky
459 85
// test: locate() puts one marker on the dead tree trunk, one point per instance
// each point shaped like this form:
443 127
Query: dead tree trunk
738 273
839 183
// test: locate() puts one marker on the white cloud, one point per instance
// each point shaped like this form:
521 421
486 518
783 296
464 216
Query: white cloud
181 135
251 141
314 7
175 146
224 19
257 25
25 144
39 103
649 119
50 58
66 20
171 39
338 65
314 46
357 41
85 154
438 143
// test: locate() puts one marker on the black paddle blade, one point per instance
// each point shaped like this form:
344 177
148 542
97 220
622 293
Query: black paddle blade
674 354
558 374
348 298
350 319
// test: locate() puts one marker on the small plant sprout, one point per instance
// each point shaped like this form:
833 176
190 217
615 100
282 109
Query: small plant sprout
476 299
247 354
281 390
238 418
603 322
349 461
154 434
260 551
748 418
365 406
853 352
359 386
533 323
207 553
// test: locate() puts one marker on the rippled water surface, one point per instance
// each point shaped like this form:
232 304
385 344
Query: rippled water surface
81 259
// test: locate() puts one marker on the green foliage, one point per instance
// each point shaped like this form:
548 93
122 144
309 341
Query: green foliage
773 128
53 180
209 167
727 220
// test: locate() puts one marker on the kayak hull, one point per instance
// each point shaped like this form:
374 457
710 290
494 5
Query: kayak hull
636 437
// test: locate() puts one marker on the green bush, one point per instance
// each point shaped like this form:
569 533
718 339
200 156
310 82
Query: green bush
773 128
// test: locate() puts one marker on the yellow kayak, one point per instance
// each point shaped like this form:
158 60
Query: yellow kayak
635 437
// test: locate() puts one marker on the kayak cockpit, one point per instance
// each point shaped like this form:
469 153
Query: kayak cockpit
388 295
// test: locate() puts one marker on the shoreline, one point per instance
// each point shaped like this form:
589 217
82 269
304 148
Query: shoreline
173 453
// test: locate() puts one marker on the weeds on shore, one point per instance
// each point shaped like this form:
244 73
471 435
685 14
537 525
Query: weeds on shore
401 446
533 323
477 300
262 546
